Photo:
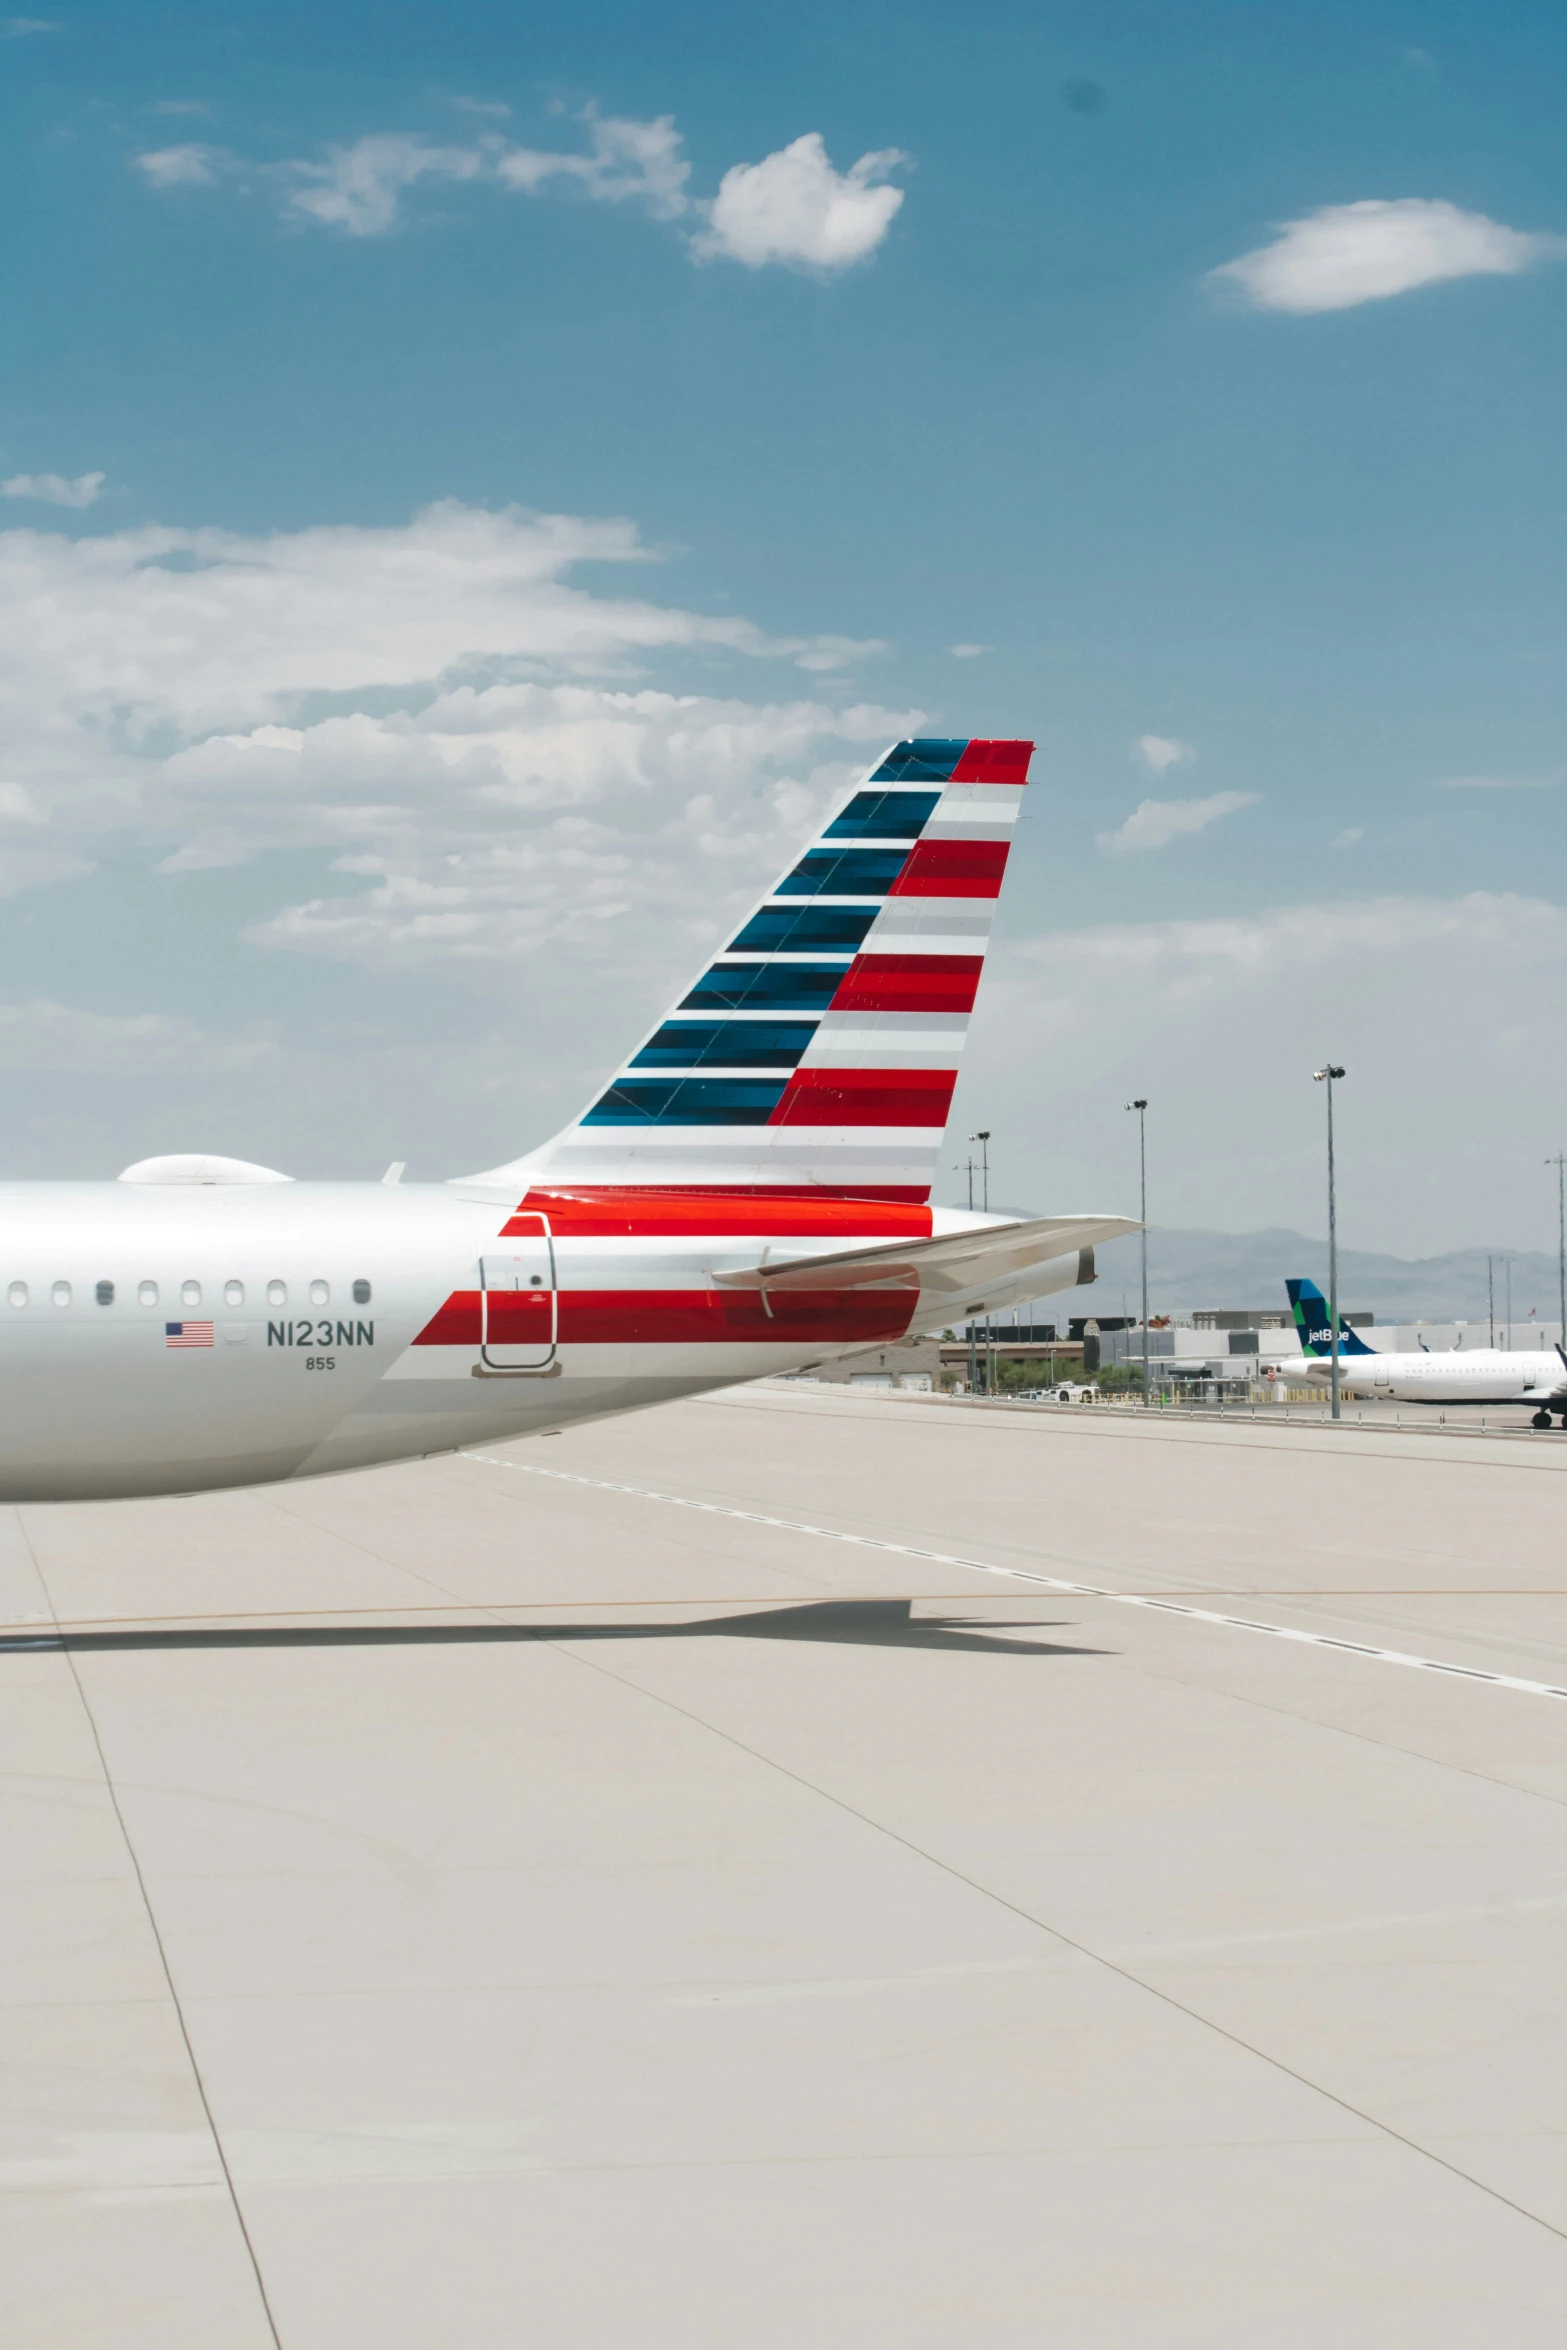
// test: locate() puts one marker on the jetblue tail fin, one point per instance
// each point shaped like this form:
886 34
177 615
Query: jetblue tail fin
818 1048
1310 1309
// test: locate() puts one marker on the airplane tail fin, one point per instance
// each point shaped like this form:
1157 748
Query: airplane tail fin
818 1047
1310 1309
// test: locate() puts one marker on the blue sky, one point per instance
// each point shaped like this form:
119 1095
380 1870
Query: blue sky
337 835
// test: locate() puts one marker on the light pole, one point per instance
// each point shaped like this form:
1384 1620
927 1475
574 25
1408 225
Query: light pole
983 1139
1326 1076
1490 1296
1141 1107
973 1372
1559 1163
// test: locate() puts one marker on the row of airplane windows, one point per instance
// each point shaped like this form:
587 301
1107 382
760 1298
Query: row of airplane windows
61 1293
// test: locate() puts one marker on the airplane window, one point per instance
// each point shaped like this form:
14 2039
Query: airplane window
190 1293
233 1293
320 1293
147 1294
361 1293
104 1293
61 1293
277 1293
17 1293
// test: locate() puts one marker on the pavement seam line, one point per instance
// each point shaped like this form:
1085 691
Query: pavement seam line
1171 1607
1113 1423
365 1549
1085 1950
134 1857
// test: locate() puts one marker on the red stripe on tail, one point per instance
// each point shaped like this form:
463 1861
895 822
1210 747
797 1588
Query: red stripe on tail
909 983
866 1097
986 762
953 869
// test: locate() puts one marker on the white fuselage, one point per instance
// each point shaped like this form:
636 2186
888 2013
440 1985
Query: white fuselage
180 1337
95 1400
1458 1375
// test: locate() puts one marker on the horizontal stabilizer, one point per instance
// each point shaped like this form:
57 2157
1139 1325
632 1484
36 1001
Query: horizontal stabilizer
953 1267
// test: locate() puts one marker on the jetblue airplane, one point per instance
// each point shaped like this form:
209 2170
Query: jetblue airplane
750 1194
1483 1374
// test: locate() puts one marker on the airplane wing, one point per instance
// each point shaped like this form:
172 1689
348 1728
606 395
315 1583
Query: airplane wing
957 1265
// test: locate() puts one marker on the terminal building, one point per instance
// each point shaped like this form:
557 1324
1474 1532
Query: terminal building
1250 1352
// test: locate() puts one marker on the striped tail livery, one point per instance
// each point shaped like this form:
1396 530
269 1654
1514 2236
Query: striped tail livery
818 1049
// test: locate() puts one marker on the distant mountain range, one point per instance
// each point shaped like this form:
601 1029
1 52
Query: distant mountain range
1195 1269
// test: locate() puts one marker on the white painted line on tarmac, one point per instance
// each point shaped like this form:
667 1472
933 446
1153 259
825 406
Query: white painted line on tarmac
944 1558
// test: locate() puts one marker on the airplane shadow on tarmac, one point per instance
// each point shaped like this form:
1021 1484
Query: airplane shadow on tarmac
870 1623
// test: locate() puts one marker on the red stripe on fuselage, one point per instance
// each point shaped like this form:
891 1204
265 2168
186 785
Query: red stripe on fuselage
986 762
454 1324
953 869
698 1317
910 983
866 1097
896 1212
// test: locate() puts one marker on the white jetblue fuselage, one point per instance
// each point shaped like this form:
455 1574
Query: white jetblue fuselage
1459 1375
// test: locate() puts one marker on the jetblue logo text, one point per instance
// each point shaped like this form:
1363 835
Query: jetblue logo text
320 1334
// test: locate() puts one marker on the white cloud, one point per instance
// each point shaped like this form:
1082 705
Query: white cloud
357 188
626 161
969 652
190 166
1444 1011
22 869
199 629
835 652
40 1035
491 822
440 711
492 825
181 106
1162 752
54 489
462 743
794 208
20 28
1153 824
1192 962
1349 253
1349 836
490 106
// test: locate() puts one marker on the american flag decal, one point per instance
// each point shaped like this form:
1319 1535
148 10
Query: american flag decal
187 1333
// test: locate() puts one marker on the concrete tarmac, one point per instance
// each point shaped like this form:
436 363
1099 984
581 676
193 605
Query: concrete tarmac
475 1904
